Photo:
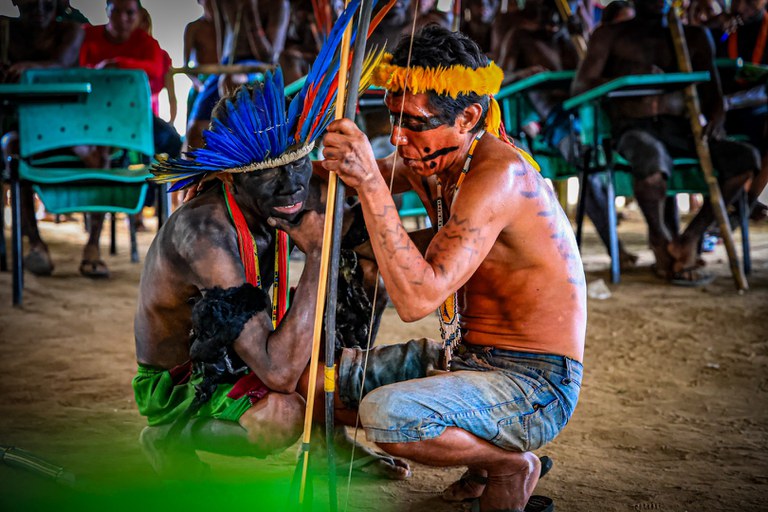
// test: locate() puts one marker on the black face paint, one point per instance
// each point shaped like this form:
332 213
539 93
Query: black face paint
439 153
427 150
416 123
432 165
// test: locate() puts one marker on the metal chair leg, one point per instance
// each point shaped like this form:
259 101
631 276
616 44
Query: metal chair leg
581 207
613 235
3 248
113 233
18 269
134 244
743 205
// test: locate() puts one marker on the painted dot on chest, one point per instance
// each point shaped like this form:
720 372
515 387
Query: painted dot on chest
427 150
432 165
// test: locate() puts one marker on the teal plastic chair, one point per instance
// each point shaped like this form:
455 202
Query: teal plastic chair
686 177
117 113
411 206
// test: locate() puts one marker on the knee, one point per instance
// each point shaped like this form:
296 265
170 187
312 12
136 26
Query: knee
379 408
275 423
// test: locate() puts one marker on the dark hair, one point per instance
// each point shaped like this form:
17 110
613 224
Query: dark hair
613 9
435 46
138 3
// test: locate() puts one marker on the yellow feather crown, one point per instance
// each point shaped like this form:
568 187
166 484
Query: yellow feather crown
445 81
451 80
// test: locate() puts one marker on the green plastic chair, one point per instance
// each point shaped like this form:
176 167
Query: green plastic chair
117 113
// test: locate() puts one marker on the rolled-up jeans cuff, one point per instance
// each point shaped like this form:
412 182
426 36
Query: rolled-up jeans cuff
405 435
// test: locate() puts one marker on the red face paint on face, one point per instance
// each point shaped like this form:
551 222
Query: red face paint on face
426 144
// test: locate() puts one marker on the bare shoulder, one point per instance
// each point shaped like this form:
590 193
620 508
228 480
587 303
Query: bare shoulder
604 34
197 225
504 175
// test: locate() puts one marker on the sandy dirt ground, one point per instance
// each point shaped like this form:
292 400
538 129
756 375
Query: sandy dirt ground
673 414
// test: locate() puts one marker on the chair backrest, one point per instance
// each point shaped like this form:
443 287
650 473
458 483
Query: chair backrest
116 113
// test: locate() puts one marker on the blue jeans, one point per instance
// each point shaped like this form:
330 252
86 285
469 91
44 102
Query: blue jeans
518 401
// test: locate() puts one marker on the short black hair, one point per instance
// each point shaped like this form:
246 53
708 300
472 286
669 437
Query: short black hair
138 3
612 10
435 46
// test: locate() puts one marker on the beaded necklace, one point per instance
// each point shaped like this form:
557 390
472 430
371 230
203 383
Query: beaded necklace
249 255
448 312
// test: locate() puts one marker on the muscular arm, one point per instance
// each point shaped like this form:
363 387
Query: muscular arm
590 72
270 42
63 55
702 51
277 356
189 40
418 284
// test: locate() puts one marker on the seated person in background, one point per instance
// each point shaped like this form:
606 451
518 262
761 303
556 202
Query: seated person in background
37 40
618 11
429 13
540 42
504 256
65 12
478 24
122 44
251 33
302 42
649 130
747 100
200 47
145 24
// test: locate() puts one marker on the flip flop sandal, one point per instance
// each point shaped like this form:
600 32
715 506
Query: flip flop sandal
698 278
535 503
95 269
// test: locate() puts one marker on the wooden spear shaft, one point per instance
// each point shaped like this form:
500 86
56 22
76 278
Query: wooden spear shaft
702 149
324 266
350 106
457 15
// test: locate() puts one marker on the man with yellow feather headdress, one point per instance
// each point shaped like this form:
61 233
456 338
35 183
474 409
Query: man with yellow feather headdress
502 269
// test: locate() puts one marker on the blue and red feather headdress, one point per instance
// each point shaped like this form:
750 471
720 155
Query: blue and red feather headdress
257 131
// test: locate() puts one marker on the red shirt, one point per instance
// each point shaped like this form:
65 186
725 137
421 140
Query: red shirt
140 51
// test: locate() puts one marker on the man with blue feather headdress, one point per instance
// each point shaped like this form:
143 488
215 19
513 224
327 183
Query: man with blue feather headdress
220 359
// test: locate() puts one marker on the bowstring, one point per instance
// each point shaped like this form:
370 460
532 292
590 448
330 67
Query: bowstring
376 285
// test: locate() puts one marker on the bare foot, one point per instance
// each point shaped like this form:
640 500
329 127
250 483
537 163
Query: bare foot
92 265
171 463
663 267
472 483
509 488
470 486
684 255
627 260
38 261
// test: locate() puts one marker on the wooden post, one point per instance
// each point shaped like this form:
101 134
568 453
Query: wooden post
702 149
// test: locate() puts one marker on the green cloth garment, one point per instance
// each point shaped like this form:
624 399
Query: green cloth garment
162 401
